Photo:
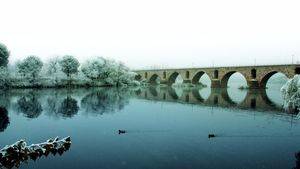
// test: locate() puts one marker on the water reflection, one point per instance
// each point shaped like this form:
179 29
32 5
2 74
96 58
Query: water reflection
69 107
4 99
61 103
66 104
297 156
53 105
251 99
186 127
30 106
4 120
102 101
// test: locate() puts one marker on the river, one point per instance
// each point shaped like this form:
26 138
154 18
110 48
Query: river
165 127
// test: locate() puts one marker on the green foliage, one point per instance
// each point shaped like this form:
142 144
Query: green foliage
69 65
30 67
4 54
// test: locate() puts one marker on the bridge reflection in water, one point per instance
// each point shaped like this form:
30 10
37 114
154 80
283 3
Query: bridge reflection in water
217 97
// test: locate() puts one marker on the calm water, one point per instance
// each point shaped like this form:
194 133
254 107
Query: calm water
167 128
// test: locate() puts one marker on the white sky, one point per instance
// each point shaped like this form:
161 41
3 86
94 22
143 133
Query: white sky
155 32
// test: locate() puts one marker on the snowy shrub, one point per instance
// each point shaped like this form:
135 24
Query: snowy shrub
291 93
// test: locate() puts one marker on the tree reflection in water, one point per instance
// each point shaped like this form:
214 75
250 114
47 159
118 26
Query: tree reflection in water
4 119
53 105
297 156
68 107
4 99
30 106
105 100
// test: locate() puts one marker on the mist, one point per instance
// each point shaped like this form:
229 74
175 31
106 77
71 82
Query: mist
152 34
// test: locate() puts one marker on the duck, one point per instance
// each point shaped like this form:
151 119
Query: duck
122 131
211 135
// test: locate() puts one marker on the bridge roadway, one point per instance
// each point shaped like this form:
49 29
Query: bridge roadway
256 76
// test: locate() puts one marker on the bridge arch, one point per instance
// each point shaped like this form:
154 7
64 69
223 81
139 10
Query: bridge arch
154 79
201 75
264 80
173 77
226 77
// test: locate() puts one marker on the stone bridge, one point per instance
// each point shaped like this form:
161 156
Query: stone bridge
256 76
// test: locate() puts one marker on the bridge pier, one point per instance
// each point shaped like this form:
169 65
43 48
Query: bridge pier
215 83
253 84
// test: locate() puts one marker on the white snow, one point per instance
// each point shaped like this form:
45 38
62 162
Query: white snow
291 93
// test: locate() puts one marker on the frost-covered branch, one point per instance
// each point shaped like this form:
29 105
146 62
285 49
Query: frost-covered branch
291 94
13 155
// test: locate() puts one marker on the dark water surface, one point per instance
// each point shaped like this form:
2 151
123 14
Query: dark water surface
166 128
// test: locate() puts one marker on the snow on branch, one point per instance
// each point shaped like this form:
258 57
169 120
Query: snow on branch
13 155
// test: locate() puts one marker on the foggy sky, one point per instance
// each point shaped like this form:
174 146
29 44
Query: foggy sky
144 34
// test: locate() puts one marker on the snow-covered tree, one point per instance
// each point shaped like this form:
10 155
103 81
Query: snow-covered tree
108 71
94 68
53 71
4 80
30 67
122 75
291 93
4 54
53 66
69 65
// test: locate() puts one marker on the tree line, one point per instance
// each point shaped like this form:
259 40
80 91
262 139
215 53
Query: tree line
65 71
